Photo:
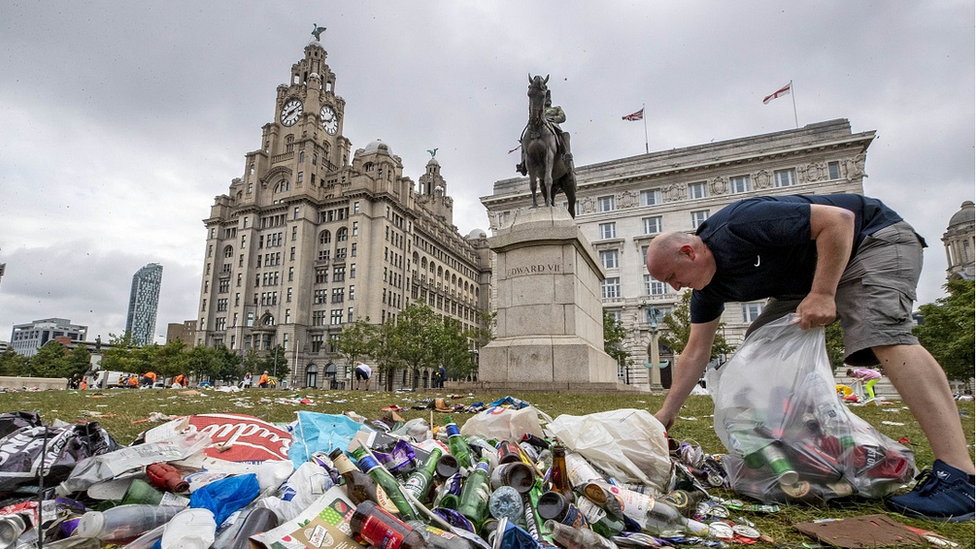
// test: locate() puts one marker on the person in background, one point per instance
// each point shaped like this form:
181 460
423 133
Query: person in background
363 373
248 379
823 257
180 381
441 375
869 376
149 379
133 382
263 380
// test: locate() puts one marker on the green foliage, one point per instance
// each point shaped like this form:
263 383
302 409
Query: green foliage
48 362
172 359
420 338
12 364
356 340
614 334
948 329
835 344
678 324
484 330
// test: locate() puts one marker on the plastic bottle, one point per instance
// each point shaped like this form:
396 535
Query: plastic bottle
141 491
166 477
573 538
418 484
475 494
437 538
505 501
516 474
382 530
383 477
457 445
124 522
190 529
554 506
360 487
560 476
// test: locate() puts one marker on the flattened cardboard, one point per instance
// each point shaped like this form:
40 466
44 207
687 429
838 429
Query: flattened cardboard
861 532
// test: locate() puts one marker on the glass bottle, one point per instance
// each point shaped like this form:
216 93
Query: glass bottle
554 506
475 494
382 530
383 477
575 538
457 445
360 487
560 476
664 520
418 484
124 522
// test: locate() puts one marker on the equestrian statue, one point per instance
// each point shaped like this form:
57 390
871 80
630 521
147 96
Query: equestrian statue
546 155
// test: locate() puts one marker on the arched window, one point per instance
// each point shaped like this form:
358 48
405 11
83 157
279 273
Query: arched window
342 234
423 263
282 186
228 251
325 237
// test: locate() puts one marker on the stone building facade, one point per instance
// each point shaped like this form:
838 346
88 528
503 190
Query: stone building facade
959 241
622 204
314 237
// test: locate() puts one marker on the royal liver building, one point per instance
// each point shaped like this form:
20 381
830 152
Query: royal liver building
313 237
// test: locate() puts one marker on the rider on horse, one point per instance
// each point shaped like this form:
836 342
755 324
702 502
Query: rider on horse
554 116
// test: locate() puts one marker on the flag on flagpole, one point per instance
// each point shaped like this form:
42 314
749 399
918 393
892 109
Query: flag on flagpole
639 115
778 93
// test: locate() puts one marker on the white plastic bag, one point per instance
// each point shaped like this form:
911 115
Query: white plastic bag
502 423
788 435
627 444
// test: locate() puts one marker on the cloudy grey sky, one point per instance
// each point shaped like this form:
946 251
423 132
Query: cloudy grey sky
121 121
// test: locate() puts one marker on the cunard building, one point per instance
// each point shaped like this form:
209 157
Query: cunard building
314 236
623 204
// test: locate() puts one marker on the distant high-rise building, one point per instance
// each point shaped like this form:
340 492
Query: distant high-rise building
140 322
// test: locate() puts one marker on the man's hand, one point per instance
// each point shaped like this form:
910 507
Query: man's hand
816 310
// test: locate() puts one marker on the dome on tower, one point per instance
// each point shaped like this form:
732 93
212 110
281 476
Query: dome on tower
964 215
377 146
477 233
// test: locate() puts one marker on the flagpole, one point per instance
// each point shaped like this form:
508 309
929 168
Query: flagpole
647 149
793 93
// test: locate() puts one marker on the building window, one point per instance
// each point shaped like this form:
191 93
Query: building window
320 296
352 292
740 184
785 178
338 295
610 259
316 343
605 204
321 275
697 218
352 268
750 311
318 318
336 318
611 288
653 286
697 190
608 230
650 197
833 170
652 225
339 274
355 228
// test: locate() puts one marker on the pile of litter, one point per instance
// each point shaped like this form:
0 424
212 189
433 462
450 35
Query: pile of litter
510 477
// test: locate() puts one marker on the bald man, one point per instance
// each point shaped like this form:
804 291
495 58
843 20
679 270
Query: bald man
823 257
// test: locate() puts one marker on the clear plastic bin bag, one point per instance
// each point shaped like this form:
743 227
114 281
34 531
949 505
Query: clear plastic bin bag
788 435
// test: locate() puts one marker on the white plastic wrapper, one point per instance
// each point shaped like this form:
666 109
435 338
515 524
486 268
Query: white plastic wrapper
789 436
502 423
627 444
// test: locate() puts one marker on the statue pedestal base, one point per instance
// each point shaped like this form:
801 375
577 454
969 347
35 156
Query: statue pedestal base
549 332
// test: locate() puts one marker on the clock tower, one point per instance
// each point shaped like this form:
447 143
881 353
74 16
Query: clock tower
314 237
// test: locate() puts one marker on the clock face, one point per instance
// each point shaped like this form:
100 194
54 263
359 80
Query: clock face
290 112
330 120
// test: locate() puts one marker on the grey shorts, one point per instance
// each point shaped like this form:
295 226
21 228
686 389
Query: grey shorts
875 294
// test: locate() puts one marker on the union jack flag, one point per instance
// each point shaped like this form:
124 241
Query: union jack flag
639 115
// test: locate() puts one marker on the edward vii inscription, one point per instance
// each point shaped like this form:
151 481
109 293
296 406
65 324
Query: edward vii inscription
541 268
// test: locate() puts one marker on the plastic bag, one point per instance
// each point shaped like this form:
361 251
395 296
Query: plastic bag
627 444
225 496
504 423
317 432
789 436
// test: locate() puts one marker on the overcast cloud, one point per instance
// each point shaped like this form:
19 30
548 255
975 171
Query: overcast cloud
122 121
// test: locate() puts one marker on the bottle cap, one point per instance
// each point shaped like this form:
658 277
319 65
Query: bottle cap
90 525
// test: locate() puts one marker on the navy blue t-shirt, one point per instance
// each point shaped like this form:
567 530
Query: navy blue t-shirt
762 247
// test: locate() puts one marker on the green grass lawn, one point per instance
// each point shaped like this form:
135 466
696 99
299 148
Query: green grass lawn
116 410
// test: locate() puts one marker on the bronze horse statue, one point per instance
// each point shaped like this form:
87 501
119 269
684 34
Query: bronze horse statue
540 151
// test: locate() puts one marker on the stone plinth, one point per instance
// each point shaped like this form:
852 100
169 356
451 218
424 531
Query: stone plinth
549 330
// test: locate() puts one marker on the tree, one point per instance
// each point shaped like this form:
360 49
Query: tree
835 344
948 331
678 323
121 355
356 340
453 350
48 362
172 359
418 339
614 334
13 364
